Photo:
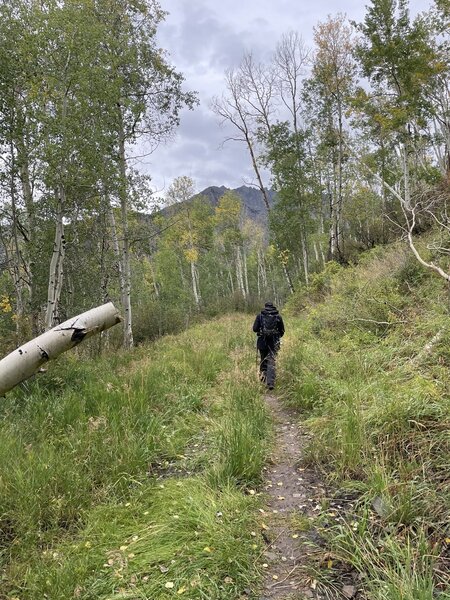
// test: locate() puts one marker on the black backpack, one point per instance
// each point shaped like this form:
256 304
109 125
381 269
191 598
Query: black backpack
269 325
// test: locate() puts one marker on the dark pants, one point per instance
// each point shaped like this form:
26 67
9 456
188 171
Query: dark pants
264 354
268 350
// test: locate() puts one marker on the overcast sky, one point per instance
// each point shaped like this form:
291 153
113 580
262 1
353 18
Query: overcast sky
204 38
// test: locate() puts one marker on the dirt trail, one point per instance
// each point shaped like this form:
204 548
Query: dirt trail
293 494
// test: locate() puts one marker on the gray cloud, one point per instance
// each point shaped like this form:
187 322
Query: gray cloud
204 40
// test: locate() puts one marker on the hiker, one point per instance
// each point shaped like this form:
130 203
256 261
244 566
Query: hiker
269 328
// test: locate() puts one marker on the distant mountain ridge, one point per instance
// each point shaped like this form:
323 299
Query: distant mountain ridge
252 200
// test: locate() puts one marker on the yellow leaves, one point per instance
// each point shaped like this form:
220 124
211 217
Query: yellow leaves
191 255
207 549
5 304
283 255
182 590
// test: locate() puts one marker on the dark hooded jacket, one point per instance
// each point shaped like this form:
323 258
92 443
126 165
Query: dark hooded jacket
262 342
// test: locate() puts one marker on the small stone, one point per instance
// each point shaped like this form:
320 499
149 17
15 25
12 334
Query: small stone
349 591
270 555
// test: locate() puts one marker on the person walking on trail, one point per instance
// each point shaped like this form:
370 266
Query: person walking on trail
269 328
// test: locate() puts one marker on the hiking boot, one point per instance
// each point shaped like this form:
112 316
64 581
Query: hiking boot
270 387
262 377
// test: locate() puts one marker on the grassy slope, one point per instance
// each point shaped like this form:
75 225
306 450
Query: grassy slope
126 477
377 401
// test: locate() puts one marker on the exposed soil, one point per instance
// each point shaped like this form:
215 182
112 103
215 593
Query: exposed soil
295 498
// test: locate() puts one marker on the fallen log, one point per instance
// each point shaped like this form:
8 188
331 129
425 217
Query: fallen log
23 362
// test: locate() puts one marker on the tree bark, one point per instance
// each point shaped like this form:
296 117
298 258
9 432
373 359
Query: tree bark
56 266
239 273
195 284
126 269
24 362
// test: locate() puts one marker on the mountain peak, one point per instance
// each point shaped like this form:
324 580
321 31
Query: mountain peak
251 197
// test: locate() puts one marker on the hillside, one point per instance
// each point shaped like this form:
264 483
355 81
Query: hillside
367 368
252 201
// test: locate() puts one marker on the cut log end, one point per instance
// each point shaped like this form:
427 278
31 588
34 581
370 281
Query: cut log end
26 360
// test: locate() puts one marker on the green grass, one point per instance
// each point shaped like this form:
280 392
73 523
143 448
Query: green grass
150 450
378 407
179 532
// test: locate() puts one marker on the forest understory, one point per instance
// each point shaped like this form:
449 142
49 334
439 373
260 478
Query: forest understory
167 471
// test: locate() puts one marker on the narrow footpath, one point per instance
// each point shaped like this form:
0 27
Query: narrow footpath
296 496
293 492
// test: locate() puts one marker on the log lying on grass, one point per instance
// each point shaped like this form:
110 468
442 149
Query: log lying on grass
24 362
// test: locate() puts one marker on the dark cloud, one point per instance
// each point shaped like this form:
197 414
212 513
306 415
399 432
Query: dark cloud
203 40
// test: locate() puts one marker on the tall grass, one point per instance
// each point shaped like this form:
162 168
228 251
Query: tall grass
378 405
112 483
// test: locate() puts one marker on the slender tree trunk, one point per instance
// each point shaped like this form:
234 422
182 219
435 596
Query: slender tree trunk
262 266
56 265
17 261
239 273
339 200
316 252
332 248
305 257
258 280
288 277
23 165
244 264
125 255
257 173
155 283
195 284
116 248
230 279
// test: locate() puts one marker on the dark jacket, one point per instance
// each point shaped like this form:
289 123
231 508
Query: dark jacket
262 342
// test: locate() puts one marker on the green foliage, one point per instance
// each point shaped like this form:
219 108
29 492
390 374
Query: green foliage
376 400
398 53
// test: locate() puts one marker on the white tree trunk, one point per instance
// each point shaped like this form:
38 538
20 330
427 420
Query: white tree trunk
125 255
262 268
239 273
305 258
247 288
56 267
230 278
116 246
195 284
24 362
